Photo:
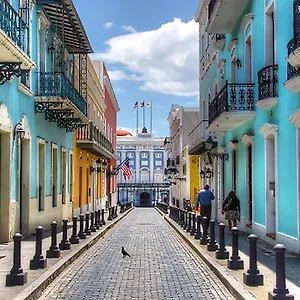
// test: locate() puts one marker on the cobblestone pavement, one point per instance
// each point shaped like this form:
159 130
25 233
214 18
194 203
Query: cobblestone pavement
161 267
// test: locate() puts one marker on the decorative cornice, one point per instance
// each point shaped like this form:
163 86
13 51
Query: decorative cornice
232 145
246 21
232 44
295 118
5 123
221 63
26 127
268 129
247 139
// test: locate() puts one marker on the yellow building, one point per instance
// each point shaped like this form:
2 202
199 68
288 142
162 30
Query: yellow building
91 148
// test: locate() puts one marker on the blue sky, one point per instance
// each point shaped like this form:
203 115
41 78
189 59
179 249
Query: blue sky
150 48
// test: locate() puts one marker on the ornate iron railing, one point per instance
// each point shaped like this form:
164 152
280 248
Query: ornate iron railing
211 8
177 160
232 97
14 26
292 72
291 46
92 133
52 84
170 162
267 82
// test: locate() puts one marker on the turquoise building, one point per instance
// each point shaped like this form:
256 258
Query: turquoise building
249 106
43 90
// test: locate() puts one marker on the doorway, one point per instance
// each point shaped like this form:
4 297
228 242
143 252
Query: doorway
80 190
145 200
234 170
249 184
54 176
5 156
24 185
270 186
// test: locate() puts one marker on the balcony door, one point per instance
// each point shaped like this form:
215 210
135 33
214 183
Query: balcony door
42 47
248 60
270 36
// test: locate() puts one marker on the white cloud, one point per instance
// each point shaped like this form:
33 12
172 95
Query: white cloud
128 28
165 60
107 25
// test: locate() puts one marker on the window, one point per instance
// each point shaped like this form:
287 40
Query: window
131 163
158 163
41 174
144 163
144 155
130 154
158 155
63 175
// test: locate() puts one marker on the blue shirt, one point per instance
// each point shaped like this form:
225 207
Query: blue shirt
205 197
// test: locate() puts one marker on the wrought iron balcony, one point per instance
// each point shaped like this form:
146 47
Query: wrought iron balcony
233 106
267 87
223 15
293 79
170 162
59 86
293 45
177 160
14 26
90 138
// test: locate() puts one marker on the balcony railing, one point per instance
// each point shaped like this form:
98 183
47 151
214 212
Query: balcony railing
232 97
53 84
211 8
177 160
92 133
14 26
267 82
171 162
292 72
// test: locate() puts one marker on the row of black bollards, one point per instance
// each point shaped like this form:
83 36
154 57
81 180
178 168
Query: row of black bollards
87 224
192 223
163 207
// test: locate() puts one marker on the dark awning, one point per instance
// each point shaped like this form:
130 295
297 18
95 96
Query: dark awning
63 15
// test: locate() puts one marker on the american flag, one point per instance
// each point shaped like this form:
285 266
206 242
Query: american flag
126 169
135 105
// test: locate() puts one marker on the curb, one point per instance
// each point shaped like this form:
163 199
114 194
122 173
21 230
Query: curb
234 287
35 289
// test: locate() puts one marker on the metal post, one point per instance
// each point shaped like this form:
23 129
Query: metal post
53 251
252 277
99 218
16 275
235 262
65 244
198 232
222 252
185 223
87 226
203 240
188 229
81 233
92 227
38 261
280 291
193 229
212 245
74 239
102 218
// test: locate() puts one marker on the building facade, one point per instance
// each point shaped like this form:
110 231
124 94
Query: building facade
147 160
40 108
182 170
249 95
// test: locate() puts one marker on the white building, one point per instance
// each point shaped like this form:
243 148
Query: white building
147 163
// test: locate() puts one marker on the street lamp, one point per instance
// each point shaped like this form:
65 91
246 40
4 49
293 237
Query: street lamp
19 131
209 173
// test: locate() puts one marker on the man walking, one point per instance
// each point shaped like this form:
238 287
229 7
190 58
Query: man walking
204 198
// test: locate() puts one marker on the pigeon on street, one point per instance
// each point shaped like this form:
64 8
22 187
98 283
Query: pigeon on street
124 252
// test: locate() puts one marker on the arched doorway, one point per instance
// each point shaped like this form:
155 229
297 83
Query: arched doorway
145 200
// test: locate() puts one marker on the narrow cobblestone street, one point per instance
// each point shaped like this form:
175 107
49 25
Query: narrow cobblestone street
161 267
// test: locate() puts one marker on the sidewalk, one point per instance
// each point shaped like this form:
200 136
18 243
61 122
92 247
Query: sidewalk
233 279
37 280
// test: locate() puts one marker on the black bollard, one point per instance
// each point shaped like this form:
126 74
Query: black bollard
53 251
222 252
97 220
102 217
38 261
235 262
81 233
180 217
204 240
280 291
16 275
193 228
87 226
212 245
116 211
185 222
92 227
65 244
189 225
198 232
74 239
252 277
109 214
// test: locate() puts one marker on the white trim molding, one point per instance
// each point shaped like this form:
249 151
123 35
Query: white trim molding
5 122
247 139
268 129
26 127
232 146
295 118
247 20
232 45
221 63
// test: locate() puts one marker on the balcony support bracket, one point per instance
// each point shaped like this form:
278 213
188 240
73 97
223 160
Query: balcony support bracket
42 107
53 115
71 124
222 156
9 69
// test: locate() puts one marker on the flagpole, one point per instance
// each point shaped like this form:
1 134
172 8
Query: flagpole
137 120
144 115
151 117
